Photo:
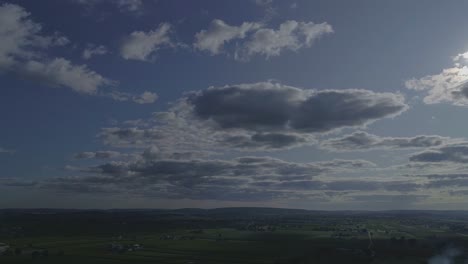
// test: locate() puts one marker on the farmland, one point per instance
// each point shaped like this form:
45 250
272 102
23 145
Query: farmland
231 235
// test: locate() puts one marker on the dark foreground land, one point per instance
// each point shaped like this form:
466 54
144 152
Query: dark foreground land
232 235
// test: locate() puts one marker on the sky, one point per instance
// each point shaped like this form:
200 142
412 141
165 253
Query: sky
324 104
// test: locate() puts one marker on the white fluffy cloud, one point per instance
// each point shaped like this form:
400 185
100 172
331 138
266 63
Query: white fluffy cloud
21 52
140 45
256 39
21 38
92 50
291 35
219 33
450 85
130 5
60 72
145 98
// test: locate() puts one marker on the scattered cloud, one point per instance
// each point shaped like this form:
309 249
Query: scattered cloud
140 45
364 141
219 33
125 6
60 72
23 53
92 50
144 98
242 178
266 141
450 85
397 200
291 35
257 116
456 153
130 5
263 2
255 39
21 37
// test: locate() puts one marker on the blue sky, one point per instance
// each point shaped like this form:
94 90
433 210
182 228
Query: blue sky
304 104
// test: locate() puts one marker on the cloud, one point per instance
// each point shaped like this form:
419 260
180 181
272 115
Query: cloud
241 178
219 33
22 52
130 6
291 35
263 2
21 38
255 39
93 50
17 182
389 198
255 117
450 85
360 140
144 98
140 45
454 153
268 106
266 141
106 154
60 72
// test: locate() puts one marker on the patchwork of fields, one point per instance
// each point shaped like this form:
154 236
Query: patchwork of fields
307 237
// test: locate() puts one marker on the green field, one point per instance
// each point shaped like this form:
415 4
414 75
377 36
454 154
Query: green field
210 239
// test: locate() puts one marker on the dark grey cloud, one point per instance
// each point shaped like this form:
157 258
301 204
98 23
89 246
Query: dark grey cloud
442 176
254 117
443 183
398 200
342 185
17 182
265 141
249 167
456 153
237 179
459 193
364 141
267 106
154 153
